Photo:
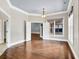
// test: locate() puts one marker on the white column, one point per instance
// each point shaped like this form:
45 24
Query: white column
54 27
41 30
46 30
70 29
9 34
66 27
76 26
28 31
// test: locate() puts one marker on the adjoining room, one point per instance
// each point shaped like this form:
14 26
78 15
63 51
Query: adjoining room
36 31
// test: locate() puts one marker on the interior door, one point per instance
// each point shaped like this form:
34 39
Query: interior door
5 31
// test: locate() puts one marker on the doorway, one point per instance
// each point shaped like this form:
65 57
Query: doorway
5 31
25 30
36 31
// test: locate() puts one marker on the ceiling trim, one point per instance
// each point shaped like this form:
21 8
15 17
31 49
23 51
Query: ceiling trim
69 5
32 14
57 13
18 9
6 14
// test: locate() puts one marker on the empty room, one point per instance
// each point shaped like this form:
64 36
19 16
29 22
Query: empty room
39 29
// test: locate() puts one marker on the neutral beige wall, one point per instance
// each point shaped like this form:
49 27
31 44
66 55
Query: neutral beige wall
3 18
66 26
35 19
76 27
1 31
16 22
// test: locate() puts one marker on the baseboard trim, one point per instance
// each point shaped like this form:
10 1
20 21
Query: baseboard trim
12 44
28 40
58 39
76 57
35 33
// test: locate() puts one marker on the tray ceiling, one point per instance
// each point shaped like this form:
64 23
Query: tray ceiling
36 6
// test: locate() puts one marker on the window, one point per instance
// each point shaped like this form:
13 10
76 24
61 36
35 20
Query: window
56 27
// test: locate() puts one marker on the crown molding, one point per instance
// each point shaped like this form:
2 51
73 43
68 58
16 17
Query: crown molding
16 8
69 5
6 14
32 14
62 12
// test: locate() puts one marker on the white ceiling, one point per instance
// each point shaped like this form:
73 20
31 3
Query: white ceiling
36 6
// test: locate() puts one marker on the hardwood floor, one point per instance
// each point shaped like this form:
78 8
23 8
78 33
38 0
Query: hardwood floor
39 49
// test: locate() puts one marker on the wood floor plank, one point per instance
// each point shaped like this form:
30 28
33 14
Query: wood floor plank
39 49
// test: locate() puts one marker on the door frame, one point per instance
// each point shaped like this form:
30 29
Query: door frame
40 25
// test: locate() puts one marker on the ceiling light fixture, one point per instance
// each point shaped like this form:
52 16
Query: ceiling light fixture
43 15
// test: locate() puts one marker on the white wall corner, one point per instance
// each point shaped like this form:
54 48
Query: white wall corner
73 51
12 44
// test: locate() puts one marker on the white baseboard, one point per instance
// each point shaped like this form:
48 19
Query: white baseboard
35 33
12 44
1 41
45 38
75 55
58 39
41 36
28 40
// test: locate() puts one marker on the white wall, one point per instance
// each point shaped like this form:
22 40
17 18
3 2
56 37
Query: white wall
46 31
28 31
16 22
70 29
3 17
1 31
66 26
76 27
35 28
65 18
